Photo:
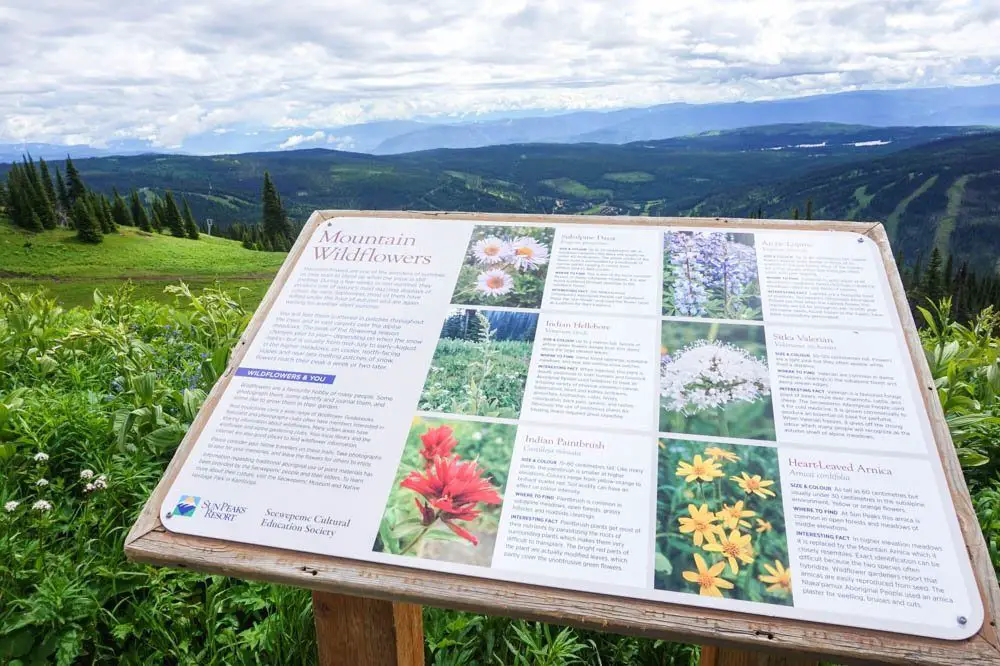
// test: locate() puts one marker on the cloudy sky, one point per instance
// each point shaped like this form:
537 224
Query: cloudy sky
90 71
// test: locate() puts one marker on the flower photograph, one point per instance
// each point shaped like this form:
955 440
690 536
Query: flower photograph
714 380
505 266
710 274
480 364
720 524
446 498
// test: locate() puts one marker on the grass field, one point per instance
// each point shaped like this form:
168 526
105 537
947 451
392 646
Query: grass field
71 270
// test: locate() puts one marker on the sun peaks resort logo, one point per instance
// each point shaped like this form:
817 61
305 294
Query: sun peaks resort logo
186 506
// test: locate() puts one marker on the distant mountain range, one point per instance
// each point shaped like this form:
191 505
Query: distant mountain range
952 106
931 186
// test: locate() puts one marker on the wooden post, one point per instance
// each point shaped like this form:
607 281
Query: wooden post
716 656
357 631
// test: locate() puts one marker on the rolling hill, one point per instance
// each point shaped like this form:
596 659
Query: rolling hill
71 270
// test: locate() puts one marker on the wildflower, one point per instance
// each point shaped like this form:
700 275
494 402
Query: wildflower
478 435
763 526
706 578
494 283
721 454
89 488
491 250
732 516
451 489
527 253
86 474
699 470
707 264
710 374
438 442
11 506
101 482
41 483
41 457
42 505
780 578
701 523
734 547
753 485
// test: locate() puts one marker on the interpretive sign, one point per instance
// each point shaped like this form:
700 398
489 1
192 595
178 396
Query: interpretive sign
713 414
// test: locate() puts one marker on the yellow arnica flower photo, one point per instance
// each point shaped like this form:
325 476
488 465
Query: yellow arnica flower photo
763 526
732 516
706 578
699 470
753 485
734 547
721 454
701 525
780 578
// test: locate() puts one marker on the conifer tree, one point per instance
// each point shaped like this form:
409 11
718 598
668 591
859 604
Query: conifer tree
795 213
61 192
158 217
50 191
190 226
172 215
3 196
102 209
75 188
88 229
809 209
120 212
139 216
932 280
273 218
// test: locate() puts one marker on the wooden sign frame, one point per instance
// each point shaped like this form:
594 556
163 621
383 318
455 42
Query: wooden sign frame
149 542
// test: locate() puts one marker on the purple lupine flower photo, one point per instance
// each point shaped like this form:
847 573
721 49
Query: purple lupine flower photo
710 274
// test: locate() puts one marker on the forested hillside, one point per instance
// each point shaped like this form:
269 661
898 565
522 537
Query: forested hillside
931 186
944 194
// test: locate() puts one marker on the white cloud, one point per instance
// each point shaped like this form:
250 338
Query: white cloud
299 139
165 70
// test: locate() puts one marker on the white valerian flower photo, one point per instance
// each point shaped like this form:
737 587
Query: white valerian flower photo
707 375
11 506
41 483
41 456
101 482
42 505
87 474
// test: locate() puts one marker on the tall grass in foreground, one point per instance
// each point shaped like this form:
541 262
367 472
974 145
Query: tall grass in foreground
95 400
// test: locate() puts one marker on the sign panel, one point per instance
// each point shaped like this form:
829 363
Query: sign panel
715 417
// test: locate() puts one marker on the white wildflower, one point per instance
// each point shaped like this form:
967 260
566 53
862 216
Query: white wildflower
41 483
478 435
41 457
11 506
89 488
494 283
527 253
100 483
491 250
707 375
87 474
41 505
